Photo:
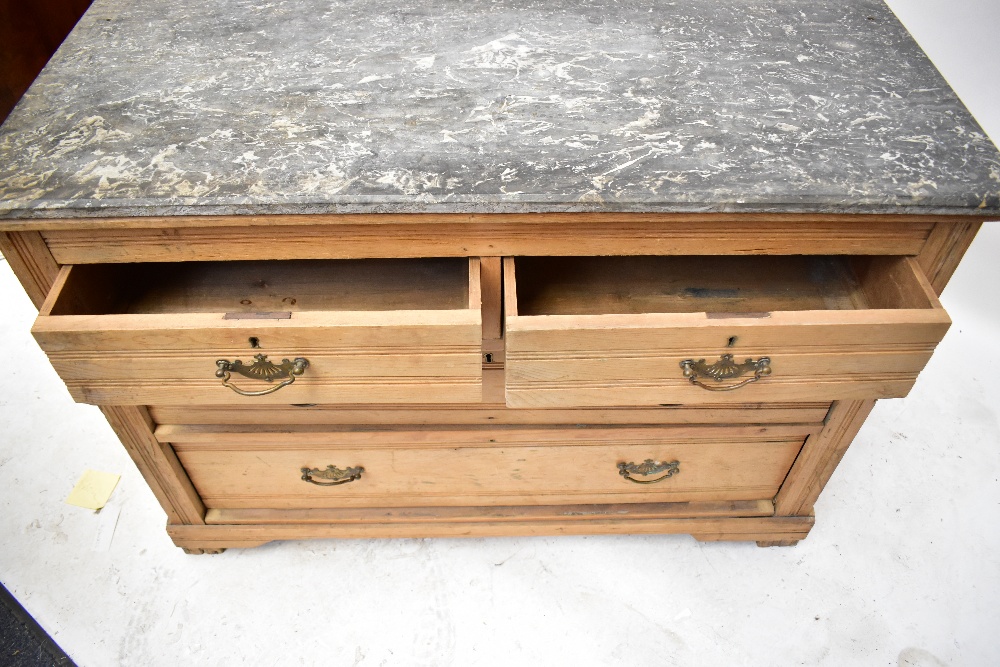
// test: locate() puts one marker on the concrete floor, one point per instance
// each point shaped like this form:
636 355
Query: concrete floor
902 568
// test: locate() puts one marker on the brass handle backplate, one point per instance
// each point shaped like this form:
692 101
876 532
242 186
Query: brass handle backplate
725 369
649 467
332 473
261 369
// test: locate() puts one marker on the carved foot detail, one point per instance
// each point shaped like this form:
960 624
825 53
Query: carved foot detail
199 552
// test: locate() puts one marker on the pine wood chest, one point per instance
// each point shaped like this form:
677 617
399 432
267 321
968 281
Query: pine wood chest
485 272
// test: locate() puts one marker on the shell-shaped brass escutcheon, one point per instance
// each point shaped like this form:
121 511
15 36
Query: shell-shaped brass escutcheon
725 369
261 369
647 468
331 475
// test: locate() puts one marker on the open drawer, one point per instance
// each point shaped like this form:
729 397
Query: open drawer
604 331
251 332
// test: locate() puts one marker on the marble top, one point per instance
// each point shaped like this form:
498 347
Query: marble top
171 107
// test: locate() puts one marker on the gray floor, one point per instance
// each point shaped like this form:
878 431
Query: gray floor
903 567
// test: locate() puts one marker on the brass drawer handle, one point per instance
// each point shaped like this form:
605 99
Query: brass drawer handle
261 369
648 467
724 369
332 473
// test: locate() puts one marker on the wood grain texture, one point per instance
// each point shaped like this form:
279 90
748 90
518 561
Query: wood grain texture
388 356
250 287
777 543
255 468
293 437
706 529
670 284
742 454
374 389
488 414
944 249
635 360
326 367
308 330
356 357
496 513
31 262
509 289
474 286
84 241
157 463
889 282
819 457
564 360
59 291
492 291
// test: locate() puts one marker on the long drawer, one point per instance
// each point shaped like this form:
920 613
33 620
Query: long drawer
252 333
301 468
642 331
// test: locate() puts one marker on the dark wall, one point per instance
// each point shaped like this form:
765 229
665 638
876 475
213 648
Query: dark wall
30 32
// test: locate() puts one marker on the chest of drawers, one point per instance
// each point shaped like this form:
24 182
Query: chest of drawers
486 319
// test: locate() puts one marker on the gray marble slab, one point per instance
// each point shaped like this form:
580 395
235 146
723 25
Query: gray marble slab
168 107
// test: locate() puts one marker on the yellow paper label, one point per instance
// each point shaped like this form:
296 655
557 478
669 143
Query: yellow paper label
93 490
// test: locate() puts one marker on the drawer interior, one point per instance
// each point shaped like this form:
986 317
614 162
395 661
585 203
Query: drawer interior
265 286
736 284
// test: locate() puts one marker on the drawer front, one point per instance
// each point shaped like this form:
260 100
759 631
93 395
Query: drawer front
406 355
644 359
485 467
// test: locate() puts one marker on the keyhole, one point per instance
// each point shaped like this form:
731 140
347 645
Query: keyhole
254 342
732 341
488 357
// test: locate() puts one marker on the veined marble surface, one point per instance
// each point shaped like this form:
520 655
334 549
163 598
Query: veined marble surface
160 107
